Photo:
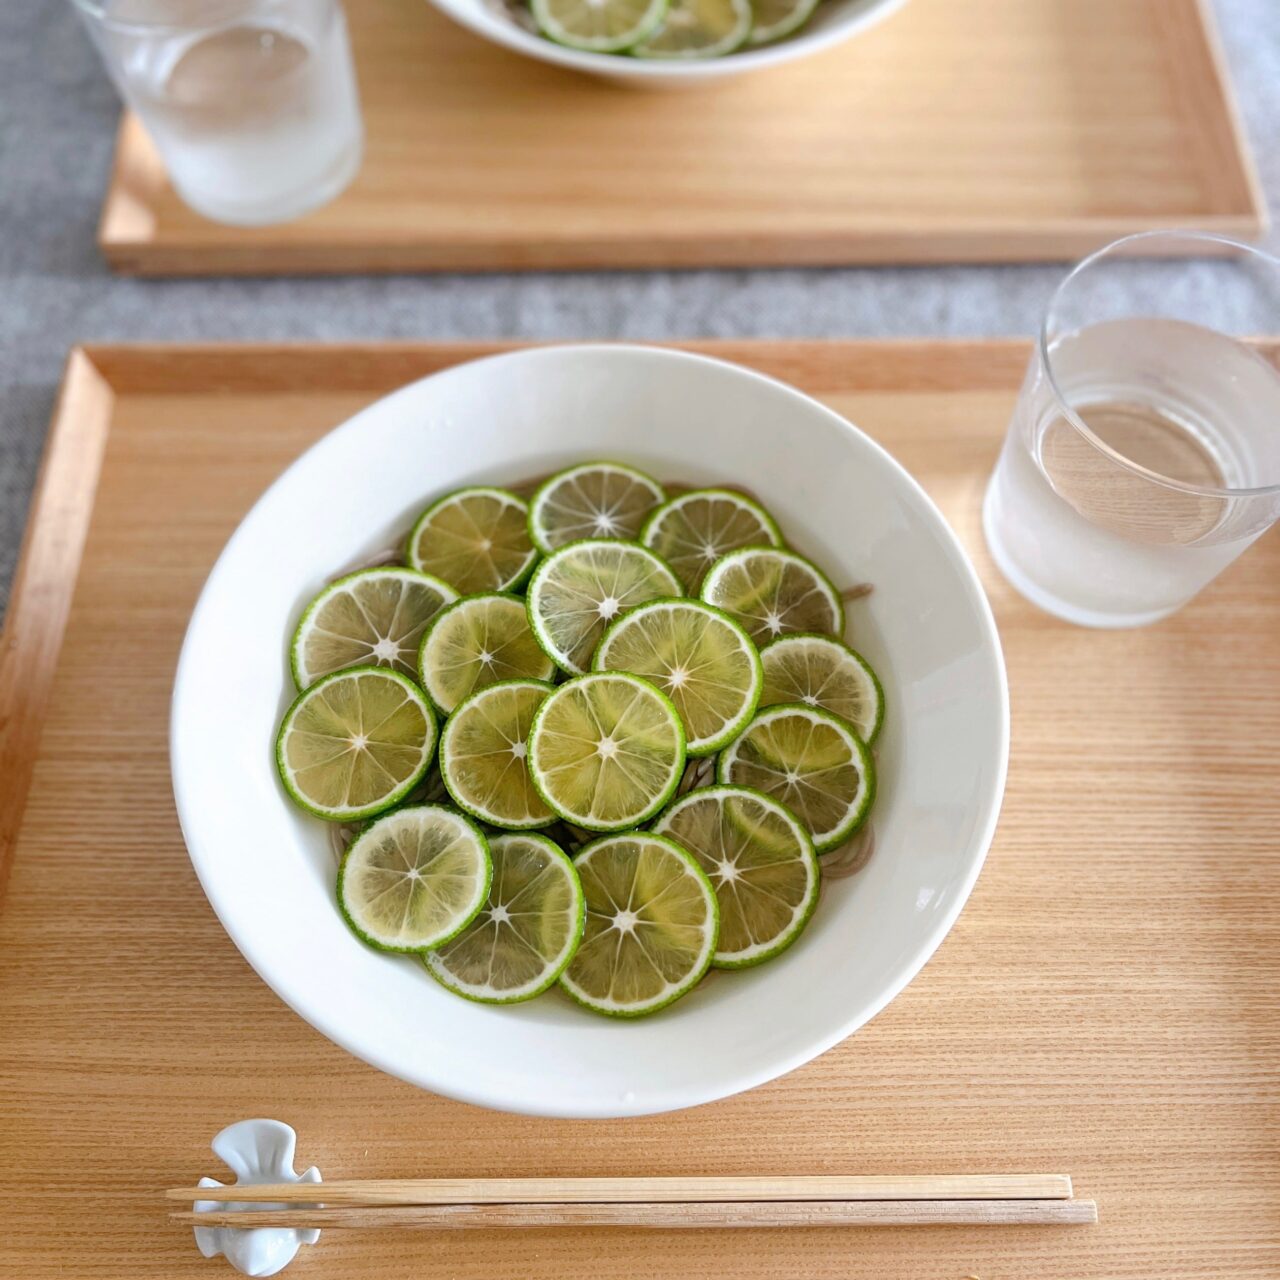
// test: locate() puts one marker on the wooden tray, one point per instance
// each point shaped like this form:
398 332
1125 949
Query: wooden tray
992 130
1106 1005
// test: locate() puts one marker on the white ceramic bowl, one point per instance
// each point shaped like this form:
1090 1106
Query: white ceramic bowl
268 870
835 20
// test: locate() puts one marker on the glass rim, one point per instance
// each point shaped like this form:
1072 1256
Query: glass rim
98 12
1071 416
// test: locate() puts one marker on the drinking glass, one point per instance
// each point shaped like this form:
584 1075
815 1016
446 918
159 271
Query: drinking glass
1144 452
252 103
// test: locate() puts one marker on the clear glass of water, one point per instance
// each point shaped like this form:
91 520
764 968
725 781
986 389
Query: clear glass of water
252 103
1144 452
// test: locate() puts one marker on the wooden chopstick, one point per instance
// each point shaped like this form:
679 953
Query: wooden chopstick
562 1191
667 1216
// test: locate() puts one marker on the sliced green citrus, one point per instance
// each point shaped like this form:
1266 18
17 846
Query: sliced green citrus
699 657
773 592
355 743
761 861
596 500
483 755
606 751
819 671
778 18
475 642
693 531
375 617
598 26
579 589
699 29
651 925
414 878
527 930
810 760
475 539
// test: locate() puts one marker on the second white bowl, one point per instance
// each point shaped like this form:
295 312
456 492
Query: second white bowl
835 21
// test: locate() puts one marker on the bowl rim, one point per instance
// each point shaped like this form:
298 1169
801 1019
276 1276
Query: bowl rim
473 15
317 1013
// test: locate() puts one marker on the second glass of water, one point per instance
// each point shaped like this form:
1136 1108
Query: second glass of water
1144 452
251 103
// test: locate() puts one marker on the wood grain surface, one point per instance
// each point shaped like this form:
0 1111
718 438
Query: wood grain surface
1108 1004
986 130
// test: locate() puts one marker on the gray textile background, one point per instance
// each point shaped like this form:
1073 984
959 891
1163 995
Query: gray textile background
57 122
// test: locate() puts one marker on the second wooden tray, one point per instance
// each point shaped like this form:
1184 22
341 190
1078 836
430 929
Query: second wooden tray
993 130
1106 1004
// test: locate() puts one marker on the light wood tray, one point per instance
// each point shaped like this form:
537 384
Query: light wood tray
1105 1006
991 130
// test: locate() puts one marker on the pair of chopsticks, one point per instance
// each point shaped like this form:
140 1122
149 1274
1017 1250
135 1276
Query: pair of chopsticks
443 1204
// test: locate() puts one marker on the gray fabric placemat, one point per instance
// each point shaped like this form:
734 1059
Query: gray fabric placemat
58 117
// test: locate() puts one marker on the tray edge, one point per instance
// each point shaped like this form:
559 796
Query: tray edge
1227 124
44 583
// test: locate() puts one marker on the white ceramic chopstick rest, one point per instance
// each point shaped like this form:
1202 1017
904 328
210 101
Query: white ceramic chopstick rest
257 1152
